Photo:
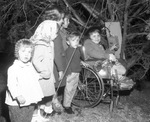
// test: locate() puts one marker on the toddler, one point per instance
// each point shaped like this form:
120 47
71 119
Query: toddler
24 90
73 70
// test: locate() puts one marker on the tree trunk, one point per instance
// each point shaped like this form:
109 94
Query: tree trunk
125 26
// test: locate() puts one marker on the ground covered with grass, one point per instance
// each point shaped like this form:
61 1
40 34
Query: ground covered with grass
136 108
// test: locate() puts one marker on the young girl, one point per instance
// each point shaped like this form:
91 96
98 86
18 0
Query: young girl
23 87
60 45
43 61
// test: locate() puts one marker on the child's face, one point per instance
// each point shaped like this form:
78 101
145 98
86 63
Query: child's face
66 22
61 21
74 42
95 37
25 54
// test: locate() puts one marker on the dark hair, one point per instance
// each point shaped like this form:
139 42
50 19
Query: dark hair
93 29
53 13
67 14
71 35
55 7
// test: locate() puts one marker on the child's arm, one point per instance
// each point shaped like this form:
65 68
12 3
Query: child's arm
13 86
38 63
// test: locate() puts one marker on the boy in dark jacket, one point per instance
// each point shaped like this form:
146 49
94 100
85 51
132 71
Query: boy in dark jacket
73 70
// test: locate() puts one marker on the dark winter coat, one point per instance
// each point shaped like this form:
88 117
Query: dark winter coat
59 59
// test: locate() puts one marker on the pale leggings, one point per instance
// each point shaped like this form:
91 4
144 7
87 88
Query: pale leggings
70 88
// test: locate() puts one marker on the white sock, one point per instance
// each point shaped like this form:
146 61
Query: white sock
48 109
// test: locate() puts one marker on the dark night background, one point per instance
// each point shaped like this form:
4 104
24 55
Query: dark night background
19 18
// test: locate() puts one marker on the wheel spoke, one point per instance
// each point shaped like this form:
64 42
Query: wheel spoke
90 89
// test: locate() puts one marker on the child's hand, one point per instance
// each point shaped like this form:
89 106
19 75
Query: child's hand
85 64
61 75
21 99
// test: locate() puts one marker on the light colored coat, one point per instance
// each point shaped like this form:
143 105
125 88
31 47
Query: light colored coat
43 61
43 57
23 80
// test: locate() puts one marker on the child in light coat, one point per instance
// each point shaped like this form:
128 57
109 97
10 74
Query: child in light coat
24 90
43 61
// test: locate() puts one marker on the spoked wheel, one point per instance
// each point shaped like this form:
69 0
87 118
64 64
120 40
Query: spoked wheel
90 89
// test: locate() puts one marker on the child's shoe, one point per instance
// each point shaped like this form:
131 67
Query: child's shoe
68 110
49 112
41 116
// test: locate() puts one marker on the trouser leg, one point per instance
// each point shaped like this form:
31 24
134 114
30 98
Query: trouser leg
21 114
70 89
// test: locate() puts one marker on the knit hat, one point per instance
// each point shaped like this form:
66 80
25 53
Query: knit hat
47 30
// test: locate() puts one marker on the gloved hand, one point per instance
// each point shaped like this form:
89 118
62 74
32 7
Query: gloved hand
61 75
